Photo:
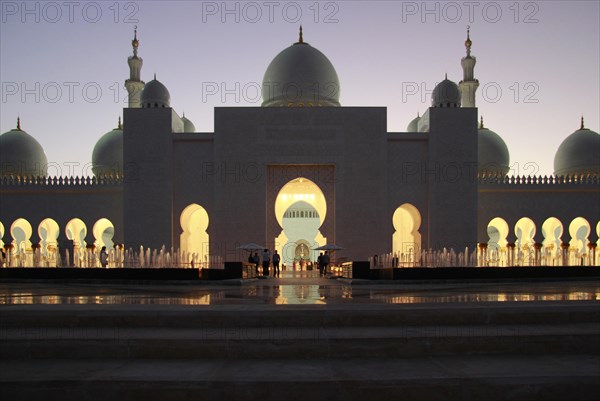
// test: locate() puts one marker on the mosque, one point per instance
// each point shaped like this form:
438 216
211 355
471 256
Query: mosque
300 172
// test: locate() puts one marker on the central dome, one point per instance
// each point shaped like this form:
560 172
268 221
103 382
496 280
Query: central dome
301 76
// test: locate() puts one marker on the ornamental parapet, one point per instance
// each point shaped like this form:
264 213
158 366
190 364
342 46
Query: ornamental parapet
60 182
529 180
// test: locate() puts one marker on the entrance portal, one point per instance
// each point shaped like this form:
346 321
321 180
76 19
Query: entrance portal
300 210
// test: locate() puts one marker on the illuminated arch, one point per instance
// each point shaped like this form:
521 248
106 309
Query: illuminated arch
1 235
194 240
579 229
76 231
552 230
406 240
525 232
103 231
301 226
300 189
48 231
497 231
21 231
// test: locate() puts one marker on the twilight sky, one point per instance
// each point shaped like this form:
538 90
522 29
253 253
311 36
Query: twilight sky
63 64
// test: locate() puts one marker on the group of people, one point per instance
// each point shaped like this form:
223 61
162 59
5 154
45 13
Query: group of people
323 262
266 262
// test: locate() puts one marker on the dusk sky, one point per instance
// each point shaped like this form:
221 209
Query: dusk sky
537 63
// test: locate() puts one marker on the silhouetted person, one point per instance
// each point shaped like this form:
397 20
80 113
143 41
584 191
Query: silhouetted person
325 262
276 260
103 257
266 260
321 263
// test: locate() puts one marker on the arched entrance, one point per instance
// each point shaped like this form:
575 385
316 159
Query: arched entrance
1 235
194 240
496 253
406 241
579 229
104 231
76 231
552 230
48 231
300 210
21 231
525 232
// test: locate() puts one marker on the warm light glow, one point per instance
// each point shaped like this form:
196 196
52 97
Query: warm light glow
579 229
300 189
407 238
194 240
305 201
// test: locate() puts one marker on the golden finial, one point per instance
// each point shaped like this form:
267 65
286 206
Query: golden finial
135 42
19 123
481 123
120 126
300 38
582 126
468 42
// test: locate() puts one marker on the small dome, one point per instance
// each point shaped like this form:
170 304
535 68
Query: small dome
107 158
445 94
578 154
413 126
492 153
300 76
155 94
188 126
21 154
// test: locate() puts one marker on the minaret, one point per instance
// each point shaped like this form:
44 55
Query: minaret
468 86
134 84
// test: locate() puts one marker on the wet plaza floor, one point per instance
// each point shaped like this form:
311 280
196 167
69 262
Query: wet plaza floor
294 288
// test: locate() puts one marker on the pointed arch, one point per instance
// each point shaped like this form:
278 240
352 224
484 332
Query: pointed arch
497 231
300 210
406 240
194 239
1 235
525 232
552 231
48 231
21 231
76 231
103 231
579 229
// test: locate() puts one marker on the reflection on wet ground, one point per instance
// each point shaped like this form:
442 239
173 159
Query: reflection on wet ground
290 289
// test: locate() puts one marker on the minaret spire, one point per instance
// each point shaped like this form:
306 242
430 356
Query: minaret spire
582 125
300 38
19 123
134 84
135 42
468 86
468 42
